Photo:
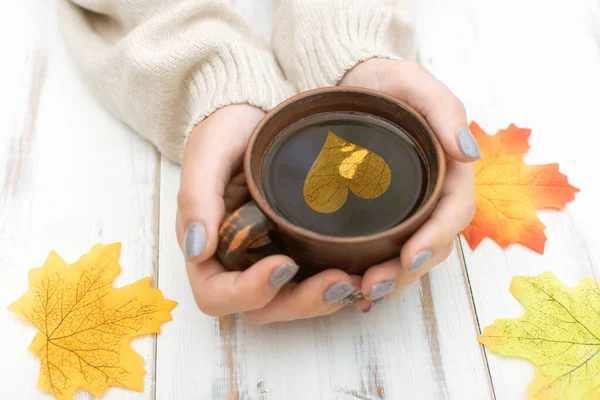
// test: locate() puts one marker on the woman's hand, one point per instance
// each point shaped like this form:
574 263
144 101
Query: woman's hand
212 183
413 84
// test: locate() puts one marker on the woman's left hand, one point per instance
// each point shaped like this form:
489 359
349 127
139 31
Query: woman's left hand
432 243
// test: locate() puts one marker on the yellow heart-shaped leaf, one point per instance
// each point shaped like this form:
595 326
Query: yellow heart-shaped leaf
341 165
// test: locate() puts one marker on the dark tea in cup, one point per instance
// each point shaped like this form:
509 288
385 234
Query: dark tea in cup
343 174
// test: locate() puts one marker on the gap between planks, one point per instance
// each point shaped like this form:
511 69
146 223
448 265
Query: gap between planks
155 266
463 263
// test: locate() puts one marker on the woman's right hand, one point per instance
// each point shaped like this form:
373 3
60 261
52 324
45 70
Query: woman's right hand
213 183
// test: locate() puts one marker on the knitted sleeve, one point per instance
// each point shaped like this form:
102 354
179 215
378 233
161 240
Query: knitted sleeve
161 66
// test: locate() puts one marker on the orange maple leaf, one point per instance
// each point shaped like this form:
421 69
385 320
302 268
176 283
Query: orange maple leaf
85 324
508 192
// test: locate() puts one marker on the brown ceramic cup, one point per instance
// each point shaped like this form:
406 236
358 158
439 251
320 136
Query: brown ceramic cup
258 222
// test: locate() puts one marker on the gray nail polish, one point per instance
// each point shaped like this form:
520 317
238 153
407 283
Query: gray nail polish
467 143
382 289
283 275
341 292
195 240
377 303
419 260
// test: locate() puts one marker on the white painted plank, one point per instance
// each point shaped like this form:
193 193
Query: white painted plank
409 348
189 356
70 176
533 63
420 345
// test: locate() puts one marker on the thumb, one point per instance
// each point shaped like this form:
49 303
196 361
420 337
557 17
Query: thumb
213 151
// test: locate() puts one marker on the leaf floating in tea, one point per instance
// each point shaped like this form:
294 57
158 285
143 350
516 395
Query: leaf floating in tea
559 333
85 324
340 166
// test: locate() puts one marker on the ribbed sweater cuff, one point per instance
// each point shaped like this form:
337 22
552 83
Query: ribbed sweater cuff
236 74
317 41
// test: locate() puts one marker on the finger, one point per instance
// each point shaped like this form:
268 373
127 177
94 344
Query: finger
443 110
219 293
213 151
321 294
453 213
386 280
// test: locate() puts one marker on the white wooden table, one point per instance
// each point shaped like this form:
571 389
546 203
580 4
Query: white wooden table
71 176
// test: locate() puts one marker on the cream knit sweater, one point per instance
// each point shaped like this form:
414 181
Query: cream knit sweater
161 66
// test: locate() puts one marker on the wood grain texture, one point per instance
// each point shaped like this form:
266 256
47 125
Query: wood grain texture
70 176
20 146
535 64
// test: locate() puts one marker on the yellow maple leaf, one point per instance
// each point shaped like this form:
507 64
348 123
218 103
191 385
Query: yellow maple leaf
85 324
559 333
340 166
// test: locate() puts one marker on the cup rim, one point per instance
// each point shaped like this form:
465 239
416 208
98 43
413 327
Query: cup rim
283 224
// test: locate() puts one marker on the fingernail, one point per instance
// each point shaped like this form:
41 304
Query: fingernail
419 260
283 275
382 289
195 240
341 292
467 143
377 303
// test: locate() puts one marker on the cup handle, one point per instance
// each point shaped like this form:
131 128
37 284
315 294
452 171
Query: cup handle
238 232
